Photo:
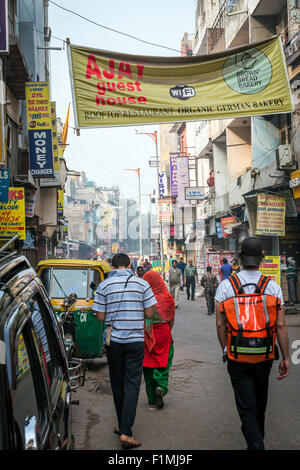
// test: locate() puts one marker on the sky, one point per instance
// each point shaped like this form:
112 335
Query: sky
104 153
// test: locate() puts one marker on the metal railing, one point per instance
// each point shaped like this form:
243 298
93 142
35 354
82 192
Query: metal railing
218 27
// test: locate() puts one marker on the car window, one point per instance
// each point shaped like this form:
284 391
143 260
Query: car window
95 278
29 398
48 344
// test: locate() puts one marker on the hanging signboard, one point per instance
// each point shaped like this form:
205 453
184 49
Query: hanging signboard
114 89
173 174
56 181
165 213
4 184
60 203
195 193
226 222
39 129
163 188
4 41
12 214
270 266
183 180
270 217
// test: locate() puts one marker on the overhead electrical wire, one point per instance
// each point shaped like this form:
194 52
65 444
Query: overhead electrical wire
112 29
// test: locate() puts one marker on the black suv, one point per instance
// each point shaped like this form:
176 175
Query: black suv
35 394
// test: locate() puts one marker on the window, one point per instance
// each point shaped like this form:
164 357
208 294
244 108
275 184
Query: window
67 281
29 398
42 324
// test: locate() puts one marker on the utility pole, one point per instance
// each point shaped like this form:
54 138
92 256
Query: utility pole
138 171
153 135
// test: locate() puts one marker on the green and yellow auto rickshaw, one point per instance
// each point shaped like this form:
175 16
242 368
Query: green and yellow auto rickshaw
71 285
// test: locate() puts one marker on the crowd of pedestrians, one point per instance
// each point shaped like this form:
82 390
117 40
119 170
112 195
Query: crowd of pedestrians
138 308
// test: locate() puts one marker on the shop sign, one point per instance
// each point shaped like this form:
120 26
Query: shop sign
219 229
4 184
12 214
116 89
165 213
30 196
39 129
114 248
56 181
183 180
4 40
173 174
195 193
270 266
226 223
163 189
60 203
270 216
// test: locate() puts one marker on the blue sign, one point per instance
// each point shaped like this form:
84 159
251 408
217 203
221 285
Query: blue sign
219 229
4 184
40 153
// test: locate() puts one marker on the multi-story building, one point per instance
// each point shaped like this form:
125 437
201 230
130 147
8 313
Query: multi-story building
27 60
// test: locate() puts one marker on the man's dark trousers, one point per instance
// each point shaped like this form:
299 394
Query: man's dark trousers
210 293
250 384
125 369
190 283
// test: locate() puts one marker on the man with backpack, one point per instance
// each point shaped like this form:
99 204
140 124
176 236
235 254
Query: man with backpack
249 317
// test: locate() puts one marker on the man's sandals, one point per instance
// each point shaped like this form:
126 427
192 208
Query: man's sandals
130 443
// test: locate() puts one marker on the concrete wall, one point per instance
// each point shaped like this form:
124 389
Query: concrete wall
265 139
239 156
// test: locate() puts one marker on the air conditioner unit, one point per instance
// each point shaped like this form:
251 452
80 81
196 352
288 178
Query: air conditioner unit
285 159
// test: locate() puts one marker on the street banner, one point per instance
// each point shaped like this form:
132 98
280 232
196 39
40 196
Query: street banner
39 129
12 214
270 216
165 213
60 203
4 41
4 184
173 174
270 266
114 89
183 180
226 222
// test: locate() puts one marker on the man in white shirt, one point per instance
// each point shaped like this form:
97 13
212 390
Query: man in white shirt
250 381
174 277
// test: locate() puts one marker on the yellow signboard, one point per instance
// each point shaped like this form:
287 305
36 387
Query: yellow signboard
114 89
270 217
12 214
60 203
270 266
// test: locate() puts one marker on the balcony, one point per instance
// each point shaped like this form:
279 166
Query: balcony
292 49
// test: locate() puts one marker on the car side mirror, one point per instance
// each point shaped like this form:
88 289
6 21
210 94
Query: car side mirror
31 433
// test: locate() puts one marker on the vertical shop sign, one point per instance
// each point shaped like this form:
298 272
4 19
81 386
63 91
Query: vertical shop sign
173 174
165 213
60 203
4 42
4 184
226 222
39 129
163 189
183 180
29 202
270 216
12 214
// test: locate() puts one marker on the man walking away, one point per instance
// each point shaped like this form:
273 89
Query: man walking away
248 317
190 278
174 277
123 302
225 270
291 276
210 284
147 266
181 265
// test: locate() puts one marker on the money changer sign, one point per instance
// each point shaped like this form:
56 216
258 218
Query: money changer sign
114 89
39 129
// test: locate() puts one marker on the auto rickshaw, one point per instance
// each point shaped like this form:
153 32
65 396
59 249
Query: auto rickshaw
66 279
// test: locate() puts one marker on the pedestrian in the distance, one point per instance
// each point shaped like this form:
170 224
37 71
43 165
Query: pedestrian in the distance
174 277
235 266
123 301
140 271
181 265
159 349
249 315
225 270
210 284
147 265
190 279
291 276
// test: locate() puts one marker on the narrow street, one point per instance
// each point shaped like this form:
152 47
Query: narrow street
199 411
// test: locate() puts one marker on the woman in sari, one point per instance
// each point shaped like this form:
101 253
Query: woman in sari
159 348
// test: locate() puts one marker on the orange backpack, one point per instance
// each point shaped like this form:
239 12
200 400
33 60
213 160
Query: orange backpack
251 322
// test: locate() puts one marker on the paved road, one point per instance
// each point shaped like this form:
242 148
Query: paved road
199 411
